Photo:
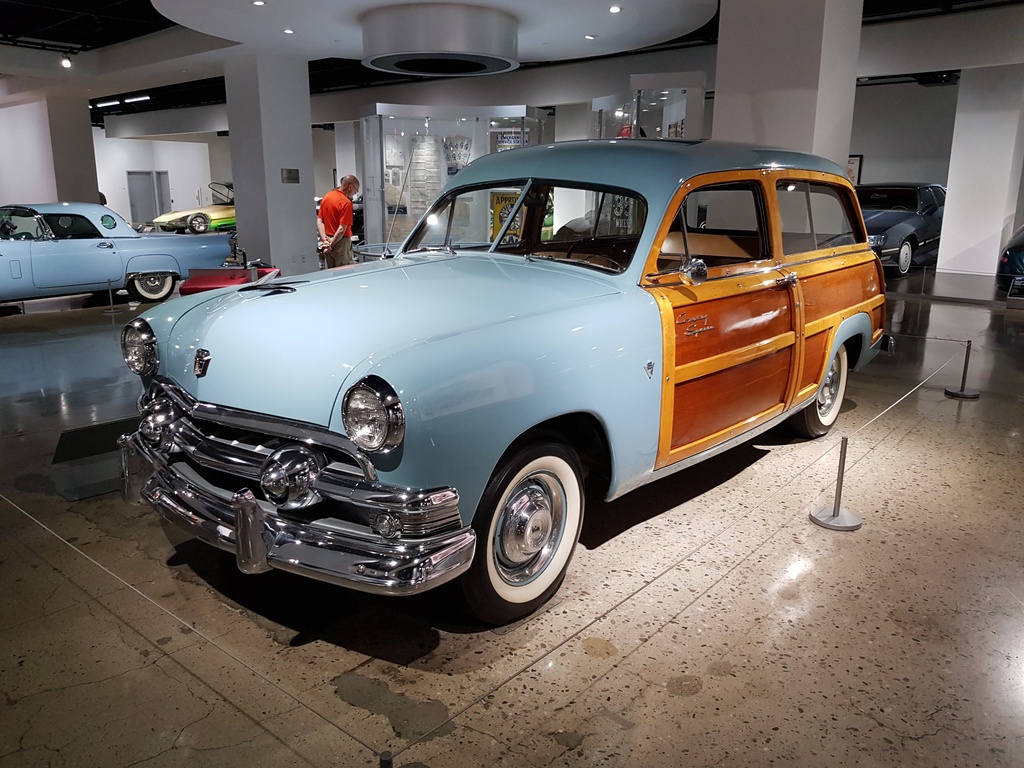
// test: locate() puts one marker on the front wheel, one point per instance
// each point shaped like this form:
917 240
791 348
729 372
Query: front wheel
527 526
904 258
819 416
151 287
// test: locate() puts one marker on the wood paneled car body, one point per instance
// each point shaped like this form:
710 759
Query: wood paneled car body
599 312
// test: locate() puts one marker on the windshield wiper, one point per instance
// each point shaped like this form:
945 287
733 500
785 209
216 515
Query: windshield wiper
431 249
581 262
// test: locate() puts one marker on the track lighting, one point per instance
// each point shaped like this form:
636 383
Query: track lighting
65 61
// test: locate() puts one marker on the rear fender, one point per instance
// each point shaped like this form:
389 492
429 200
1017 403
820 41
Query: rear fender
153 262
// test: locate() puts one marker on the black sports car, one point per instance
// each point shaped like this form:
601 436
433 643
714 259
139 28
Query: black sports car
1011 260
904 222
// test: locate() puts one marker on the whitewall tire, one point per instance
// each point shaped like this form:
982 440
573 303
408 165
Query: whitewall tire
527 526
150 288
821 413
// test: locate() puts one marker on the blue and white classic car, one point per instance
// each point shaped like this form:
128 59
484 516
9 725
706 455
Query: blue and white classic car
56 249
595 312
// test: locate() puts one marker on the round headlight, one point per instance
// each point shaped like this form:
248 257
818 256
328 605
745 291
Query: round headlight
373 415
138 347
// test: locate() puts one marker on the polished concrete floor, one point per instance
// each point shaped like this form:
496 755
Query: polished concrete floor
705 620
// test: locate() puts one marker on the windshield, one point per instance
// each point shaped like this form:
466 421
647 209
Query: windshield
223 193
591 227
889 198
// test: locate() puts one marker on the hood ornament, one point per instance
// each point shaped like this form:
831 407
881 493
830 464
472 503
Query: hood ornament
201 363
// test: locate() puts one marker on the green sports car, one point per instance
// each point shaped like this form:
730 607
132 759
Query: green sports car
219 216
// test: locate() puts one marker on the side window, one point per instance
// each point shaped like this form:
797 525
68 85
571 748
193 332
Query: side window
927 198
723 225
814 216
940 196
71 226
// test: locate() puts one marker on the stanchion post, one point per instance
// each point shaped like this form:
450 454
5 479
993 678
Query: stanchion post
963 393
110 300
837 518
386 760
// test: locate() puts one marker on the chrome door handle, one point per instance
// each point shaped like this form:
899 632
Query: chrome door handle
789 279
105 244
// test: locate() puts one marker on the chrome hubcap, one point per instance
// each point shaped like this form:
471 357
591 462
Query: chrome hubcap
529 527
829 388
904 257
152 283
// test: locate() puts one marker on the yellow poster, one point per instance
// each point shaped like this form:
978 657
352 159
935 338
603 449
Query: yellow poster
502 204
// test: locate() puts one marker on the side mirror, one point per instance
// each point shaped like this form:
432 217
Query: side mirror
695 270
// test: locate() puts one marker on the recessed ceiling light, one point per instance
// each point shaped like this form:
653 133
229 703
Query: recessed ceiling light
133 99
258 2
614 9
590 37
100 104
289 31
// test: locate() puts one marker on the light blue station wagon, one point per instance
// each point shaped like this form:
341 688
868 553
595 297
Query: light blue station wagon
598 313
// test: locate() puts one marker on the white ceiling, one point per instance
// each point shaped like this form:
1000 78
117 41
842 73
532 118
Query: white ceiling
549 30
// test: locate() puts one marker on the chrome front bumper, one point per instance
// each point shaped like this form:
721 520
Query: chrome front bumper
262 540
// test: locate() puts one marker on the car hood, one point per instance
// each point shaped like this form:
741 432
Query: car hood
878 221
288 348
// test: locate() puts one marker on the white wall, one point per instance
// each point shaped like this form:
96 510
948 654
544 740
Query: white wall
187 164
324 162
904 132
27 152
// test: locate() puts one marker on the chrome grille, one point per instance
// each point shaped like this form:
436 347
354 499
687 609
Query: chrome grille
220 443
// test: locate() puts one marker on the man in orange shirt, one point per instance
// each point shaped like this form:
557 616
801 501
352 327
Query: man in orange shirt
334 222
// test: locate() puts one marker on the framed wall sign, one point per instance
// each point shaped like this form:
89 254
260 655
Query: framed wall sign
853 168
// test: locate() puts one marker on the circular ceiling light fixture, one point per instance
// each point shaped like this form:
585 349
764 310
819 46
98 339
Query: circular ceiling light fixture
404 39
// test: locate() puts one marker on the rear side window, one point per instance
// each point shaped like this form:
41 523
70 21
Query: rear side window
814 216
70 226
724 225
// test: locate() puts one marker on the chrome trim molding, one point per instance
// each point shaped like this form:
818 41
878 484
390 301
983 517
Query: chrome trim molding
181 440
261 539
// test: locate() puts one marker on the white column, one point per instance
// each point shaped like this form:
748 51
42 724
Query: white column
984 169
572 121
272 160
49 153
787 73
74 157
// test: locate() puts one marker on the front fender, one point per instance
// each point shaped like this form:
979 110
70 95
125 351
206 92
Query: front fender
468 397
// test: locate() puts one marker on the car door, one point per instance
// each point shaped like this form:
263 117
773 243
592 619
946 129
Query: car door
71 253
930 210
821 241
17 230
731 350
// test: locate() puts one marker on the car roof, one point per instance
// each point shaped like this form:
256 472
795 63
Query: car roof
649 166
91 208
898 185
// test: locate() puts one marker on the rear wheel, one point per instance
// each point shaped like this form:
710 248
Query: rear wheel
155 287
527 526
819 416
198 223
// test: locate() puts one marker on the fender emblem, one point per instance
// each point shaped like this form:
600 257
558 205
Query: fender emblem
649 368
202 362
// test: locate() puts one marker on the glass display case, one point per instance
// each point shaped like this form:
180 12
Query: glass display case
411 152
656 107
